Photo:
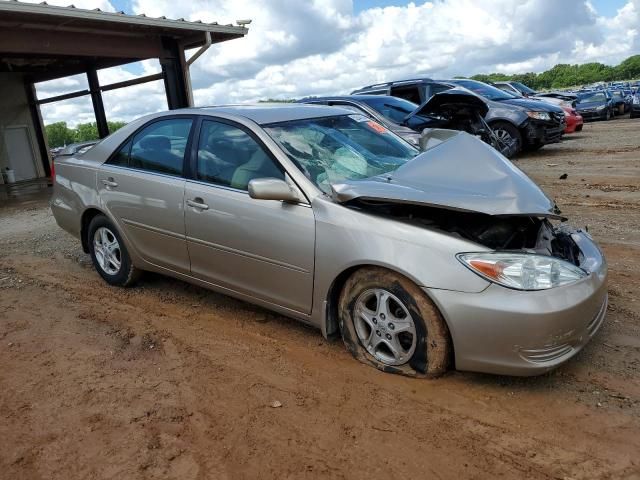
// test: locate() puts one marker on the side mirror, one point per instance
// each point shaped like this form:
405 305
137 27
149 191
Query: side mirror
272 189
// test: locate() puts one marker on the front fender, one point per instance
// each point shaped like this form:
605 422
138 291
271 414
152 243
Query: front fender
348 238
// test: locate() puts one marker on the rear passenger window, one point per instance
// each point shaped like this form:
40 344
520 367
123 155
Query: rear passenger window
408 92
160 147
230 157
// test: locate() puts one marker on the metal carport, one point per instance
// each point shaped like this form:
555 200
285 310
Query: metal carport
40 42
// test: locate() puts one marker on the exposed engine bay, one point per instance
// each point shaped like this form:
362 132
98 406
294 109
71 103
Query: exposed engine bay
505 233
459 109
466 118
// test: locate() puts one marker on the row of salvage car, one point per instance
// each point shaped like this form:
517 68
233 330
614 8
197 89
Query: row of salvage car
507 115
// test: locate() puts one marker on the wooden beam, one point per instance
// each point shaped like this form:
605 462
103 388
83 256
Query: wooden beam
133 81
66 96
52 42
38 125
96 100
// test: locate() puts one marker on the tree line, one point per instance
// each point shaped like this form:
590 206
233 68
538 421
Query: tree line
59 134
564 75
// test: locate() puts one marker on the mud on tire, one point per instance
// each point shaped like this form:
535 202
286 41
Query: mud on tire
433 349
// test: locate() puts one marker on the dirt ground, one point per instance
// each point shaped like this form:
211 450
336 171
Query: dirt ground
167 380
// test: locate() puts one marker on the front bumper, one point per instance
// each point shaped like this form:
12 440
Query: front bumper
542 132
593 114
574 124
511 332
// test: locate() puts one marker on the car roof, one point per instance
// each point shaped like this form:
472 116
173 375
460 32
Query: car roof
384 85
355 98
265 113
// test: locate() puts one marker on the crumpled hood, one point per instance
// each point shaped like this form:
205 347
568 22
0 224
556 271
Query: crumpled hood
460 173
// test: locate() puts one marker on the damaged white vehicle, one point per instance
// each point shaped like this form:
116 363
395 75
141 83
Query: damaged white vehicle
450 258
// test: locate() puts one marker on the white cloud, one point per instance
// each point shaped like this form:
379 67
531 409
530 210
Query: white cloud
297 48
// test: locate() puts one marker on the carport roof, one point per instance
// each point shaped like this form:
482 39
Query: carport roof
49 42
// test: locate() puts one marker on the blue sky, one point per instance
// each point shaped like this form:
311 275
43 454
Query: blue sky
608 8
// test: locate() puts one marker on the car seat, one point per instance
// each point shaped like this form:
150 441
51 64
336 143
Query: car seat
155 153
258 166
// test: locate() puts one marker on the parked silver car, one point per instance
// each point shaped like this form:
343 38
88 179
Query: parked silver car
422 261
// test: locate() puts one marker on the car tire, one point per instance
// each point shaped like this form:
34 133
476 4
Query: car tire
109 253
608 115
504 131
371 301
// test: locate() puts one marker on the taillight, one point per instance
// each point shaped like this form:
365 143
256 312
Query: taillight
53 170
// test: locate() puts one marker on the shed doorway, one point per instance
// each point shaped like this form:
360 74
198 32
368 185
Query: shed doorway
22 159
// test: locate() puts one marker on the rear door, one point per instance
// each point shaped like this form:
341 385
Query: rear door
261 248
142 186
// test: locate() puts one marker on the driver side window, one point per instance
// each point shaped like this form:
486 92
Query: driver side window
230 157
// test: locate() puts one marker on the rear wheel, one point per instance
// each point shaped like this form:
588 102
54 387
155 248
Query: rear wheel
507 134
109 254
388 322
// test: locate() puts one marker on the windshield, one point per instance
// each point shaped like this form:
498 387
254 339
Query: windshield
346 147
484 90
393 108
523 88
592 97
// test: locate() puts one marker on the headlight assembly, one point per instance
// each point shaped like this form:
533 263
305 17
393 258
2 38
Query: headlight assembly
601 107
539 115
522 271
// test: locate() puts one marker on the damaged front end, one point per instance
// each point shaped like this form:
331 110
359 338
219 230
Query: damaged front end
463 187
528 234
459 109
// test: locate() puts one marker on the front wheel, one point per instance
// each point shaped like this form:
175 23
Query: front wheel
507 135
109 253
388 322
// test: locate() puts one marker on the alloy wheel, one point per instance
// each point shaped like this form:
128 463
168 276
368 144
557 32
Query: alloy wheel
107 250
503 136
385 327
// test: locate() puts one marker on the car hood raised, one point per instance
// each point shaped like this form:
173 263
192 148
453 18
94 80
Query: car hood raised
447 100
460 173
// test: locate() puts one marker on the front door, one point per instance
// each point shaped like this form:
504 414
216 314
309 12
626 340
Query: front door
142 186
262 248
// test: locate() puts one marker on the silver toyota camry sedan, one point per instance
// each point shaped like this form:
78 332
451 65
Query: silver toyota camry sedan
449 257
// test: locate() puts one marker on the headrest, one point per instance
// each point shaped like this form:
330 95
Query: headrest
156 142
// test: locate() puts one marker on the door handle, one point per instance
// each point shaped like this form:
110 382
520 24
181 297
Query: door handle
198 203
110 182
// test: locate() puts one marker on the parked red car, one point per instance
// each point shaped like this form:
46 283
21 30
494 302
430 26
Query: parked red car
572 118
